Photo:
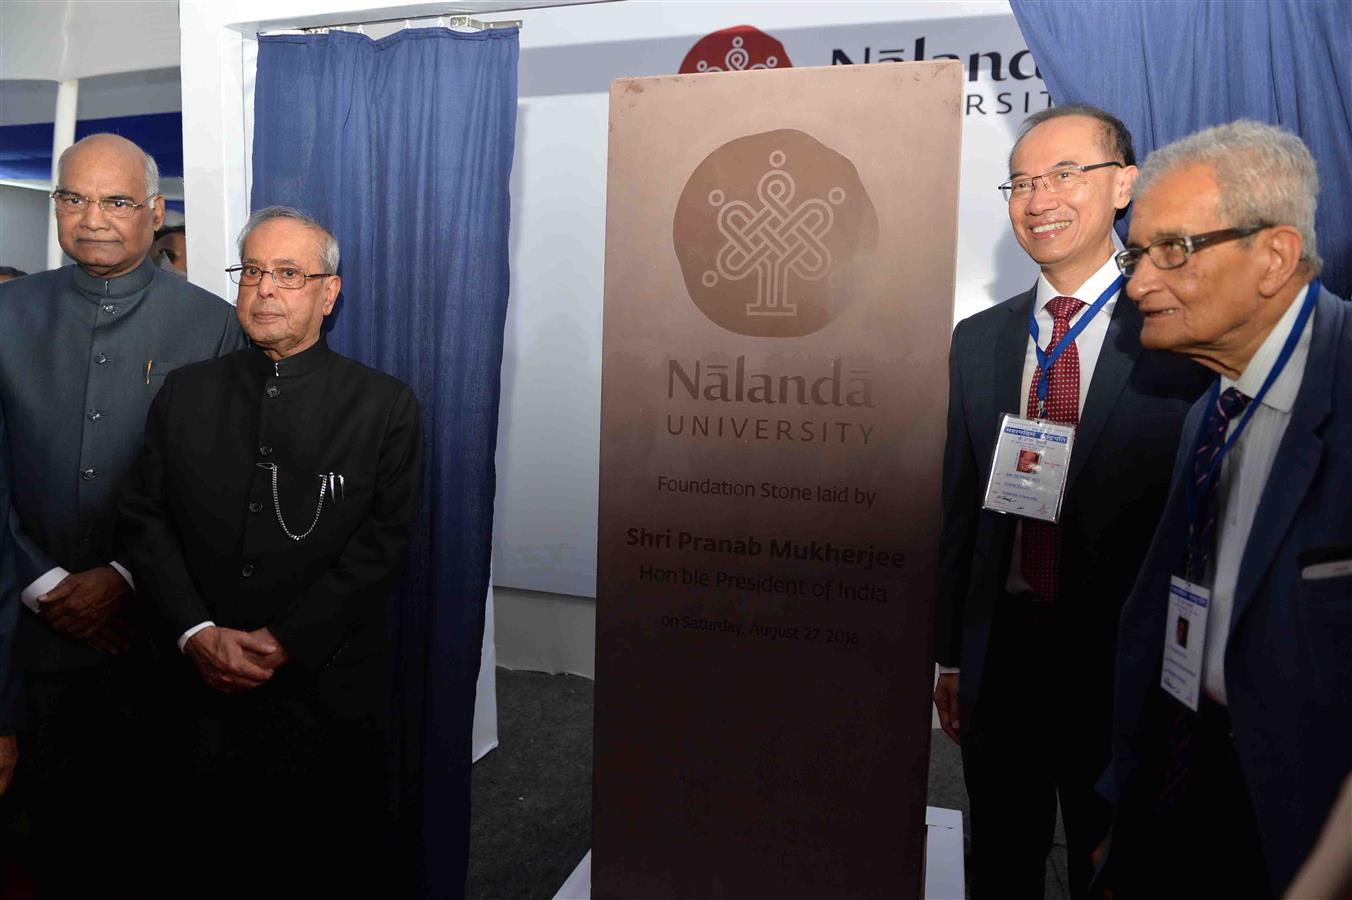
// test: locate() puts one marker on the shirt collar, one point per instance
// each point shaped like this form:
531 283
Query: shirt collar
1086 293
303 363
1282 395
99 289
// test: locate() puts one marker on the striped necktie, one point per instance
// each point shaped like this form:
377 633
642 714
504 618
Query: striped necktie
1229 405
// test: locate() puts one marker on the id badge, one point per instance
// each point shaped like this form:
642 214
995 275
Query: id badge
1185 640
1028 474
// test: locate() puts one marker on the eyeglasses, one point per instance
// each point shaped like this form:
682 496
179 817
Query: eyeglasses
1063 179
69 203
1172 252
285 277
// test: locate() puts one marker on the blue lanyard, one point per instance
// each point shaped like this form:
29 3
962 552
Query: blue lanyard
1195 489
1047 360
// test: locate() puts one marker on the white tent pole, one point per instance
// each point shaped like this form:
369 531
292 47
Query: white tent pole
67 93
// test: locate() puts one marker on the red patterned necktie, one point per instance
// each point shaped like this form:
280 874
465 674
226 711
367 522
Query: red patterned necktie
1042 540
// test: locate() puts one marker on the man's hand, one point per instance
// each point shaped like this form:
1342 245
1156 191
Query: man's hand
225 658
946 702
9 758
1097 857
276 658
84 603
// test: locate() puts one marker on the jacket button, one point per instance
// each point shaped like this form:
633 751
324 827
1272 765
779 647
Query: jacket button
247 570
273 391
109 308
89 474
265 449
101 358
255 506
95 415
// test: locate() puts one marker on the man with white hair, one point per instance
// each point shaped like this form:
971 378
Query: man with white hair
266 522
1228 753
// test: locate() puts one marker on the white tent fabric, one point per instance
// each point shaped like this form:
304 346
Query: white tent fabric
64 40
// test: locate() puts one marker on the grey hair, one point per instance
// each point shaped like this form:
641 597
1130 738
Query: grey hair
328 244
1264 173
152 170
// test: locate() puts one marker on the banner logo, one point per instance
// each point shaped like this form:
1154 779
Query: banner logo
772 231
736 49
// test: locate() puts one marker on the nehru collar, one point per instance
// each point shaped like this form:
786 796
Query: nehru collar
99 289
303 363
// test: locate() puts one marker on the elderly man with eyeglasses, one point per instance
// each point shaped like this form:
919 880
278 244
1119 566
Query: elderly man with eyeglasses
266 522
1027 607
1228 758
83 350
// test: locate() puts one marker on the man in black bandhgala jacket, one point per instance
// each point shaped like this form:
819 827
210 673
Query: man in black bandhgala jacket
267 521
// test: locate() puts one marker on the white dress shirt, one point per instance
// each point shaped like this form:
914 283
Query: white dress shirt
1244 474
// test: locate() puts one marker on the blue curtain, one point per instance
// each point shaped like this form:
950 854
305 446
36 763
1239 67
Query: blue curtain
403 147
1171 67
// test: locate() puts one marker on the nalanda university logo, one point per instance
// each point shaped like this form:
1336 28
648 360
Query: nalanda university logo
774 239
737 49
773 232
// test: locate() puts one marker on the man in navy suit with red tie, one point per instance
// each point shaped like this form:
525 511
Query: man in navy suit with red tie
1028 608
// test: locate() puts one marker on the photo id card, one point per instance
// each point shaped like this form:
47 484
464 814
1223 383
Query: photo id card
1184 640
1028 474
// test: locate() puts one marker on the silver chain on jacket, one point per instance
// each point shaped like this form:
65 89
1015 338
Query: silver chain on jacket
277 505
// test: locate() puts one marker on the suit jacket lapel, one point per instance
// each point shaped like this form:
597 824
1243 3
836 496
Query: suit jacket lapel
1011 349
1297 457
1121 347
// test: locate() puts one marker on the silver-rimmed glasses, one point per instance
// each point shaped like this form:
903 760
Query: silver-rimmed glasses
69 203
1062 178
283 276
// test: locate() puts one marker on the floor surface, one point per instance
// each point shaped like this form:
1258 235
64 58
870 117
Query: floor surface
532 795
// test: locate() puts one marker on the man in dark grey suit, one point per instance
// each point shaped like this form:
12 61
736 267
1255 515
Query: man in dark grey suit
9 623
1027 610
83 350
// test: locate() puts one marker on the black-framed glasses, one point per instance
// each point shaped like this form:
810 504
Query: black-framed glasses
284 276
69 203
1172 252
1062 178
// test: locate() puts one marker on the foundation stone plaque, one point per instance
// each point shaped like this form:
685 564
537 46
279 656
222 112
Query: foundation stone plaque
780 250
